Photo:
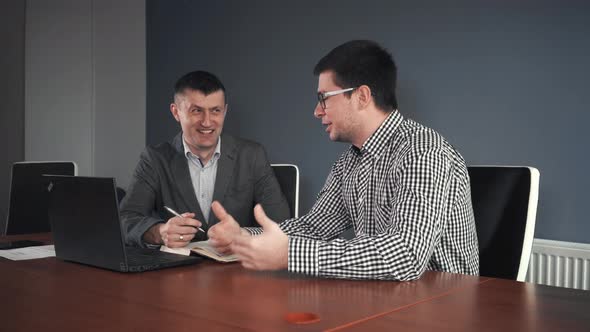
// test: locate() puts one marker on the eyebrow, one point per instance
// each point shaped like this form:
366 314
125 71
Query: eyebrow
204 108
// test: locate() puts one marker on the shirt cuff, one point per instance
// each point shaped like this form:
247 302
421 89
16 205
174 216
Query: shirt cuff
303 256
254 230
151 246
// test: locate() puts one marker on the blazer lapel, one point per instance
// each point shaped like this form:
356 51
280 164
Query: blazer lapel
225 171
183 181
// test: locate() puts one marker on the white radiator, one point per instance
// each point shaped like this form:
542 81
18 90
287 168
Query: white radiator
562 264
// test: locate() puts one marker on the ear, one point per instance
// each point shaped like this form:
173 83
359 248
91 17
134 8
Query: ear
364 96
174 111
225 111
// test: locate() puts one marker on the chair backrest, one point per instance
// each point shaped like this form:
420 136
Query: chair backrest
120 194
505 207
27 208
288 177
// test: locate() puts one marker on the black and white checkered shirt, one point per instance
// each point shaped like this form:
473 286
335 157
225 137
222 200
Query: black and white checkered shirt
406 195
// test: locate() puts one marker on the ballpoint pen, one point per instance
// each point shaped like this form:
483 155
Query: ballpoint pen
178 215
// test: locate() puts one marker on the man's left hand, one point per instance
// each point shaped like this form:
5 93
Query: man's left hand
267 251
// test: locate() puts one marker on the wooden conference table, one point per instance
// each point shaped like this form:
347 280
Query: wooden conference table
52 295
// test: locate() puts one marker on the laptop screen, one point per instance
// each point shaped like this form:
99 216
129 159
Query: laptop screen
27 210
86 229
85 221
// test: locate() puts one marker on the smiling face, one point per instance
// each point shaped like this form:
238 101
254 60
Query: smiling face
338 116
201 118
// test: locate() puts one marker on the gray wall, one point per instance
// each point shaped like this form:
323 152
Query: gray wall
12 112
73 86
119 87
85 84
504 81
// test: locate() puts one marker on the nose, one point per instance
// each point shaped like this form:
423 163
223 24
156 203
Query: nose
318 112
206 121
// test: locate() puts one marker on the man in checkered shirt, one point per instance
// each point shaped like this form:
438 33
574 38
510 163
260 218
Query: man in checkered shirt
402 188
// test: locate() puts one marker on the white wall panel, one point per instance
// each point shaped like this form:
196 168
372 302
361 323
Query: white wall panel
58 82
85 84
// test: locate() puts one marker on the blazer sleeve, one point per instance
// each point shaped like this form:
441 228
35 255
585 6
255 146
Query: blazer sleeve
138 206
267 191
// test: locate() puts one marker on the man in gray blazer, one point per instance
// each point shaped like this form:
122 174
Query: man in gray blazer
198 166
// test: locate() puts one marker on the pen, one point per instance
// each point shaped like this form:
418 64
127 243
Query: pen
178 215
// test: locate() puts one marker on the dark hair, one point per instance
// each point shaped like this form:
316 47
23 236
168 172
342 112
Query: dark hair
363 62
199 80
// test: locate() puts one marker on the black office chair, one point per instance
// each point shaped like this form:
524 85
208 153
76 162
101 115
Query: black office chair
28 198
120 194
288 177
505 206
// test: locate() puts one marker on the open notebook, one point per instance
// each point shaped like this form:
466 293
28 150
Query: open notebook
201 248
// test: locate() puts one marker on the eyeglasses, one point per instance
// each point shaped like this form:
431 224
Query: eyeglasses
322 96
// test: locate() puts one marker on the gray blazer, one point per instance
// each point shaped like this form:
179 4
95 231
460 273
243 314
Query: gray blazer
244 178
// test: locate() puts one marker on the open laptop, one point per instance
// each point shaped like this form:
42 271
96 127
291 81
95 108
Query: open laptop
84 217
27 208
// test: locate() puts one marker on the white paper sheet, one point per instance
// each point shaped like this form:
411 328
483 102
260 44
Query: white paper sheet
28 253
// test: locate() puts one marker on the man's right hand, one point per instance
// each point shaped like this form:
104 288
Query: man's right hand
222 234
176 232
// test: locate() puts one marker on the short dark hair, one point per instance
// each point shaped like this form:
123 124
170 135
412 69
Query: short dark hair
363 62
199 80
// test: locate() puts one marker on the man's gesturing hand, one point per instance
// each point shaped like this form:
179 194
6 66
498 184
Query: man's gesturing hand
222 234
267 251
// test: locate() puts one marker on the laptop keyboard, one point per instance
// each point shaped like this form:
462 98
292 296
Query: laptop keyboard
140 259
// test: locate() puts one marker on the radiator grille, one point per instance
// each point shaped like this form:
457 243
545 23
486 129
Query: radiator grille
562 264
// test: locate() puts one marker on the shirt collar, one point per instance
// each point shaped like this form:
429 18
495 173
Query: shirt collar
378 141
188 154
